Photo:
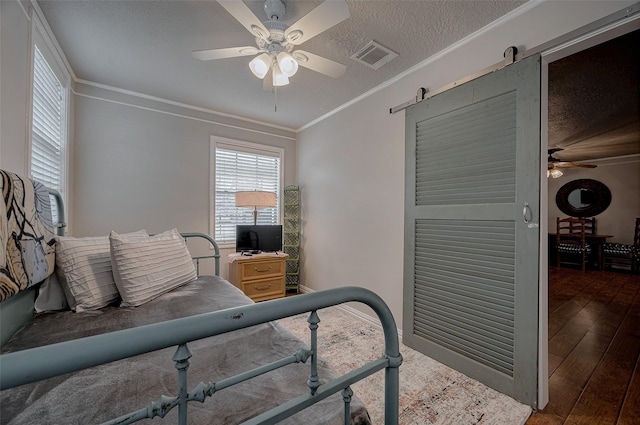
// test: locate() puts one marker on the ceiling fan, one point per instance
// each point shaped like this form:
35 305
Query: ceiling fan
276 42
554 165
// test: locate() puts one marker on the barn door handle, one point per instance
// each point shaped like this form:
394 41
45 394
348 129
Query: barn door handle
526 213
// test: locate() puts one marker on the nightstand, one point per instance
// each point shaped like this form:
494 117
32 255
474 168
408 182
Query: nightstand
260 276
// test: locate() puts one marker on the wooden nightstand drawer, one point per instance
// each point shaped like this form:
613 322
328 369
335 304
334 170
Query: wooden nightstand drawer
267 289
261 269
261 277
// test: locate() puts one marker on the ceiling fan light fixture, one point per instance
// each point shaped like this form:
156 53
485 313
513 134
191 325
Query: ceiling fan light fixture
288 65
279 77
260 65
554 173
276 40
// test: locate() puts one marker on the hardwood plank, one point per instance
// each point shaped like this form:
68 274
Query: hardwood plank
630 413
571 285
595 298
562 343
562 397
562 315
579 365
567 338
605 392
600 307
591 409
610 320
554 362
545 419
610 381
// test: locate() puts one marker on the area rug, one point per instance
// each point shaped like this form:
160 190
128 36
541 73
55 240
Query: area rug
430 393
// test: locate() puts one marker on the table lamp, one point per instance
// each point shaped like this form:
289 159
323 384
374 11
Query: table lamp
255 199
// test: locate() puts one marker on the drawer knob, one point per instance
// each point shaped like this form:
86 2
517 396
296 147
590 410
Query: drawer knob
262 270
264 288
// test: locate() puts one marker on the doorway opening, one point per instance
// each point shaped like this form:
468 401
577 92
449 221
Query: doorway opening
594 116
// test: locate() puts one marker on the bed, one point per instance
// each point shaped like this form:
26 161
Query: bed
204 341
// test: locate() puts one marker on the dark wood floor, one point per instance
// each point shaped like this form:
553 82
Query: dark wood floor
594 343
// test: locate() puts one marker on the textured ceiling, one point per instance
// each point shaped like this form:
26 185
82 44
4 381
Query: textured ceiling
145 46
594 101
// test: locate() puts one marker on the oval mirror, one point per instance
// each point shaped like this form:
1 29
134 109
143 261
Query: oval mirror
583 198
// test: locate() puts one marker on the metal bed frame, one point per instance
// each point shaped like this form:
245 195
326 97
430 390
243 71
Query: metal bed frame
45 362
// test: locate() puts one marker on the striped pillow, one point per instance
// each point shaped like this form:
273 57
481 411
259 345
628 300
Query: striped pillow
147 268
83 266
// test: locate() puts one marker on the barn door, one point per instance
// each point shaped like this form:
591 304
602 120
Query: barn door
471 232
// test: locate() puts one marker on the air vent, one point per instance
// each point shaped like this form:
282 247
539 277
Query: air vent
374 55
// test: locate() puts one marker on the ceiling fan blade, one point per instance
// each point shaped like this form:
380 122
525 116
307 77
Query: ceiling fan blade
553 162
318 20
229 52
245 16
566 164
319 64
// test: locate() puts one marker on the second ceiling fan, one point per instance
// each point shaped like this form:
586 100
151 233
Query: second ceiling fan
276 42
554 165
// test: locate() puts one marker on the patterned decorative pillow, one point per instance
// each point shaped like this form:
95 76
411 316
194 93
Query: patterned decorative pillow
26 234
147 268
84 269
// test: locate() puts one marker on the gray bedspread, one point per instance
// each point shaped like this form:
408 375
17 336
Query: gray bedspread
108 391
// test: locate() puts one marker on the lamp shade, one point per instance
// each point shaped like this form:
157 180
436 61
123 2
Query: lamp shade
288 65
255 199
260 65
554 173
279 78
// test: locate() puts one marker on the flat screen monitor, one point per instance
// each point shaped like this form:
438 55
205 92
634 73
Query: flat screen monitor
260 237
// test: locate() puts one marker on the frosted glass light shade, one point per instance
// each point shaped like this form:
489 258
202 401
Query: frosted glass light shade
255 199
554 173
279 78
260 65
288 65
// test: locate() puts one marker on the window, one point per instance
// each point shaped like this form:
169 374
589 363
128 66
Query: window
48 117
238 166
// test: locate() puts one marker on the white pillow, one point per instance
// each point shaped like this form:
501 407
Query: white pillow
84 269
147 268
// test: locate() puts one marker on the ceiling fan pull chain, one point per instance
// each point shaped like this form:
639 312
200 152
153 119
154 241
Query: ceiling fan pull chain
275 99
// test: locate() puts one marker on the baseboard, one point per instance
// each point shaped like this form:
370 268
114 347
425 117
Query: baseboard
373 321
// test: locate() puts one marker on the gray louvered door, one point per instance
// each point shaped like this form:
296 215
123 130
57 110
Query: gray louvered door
471 258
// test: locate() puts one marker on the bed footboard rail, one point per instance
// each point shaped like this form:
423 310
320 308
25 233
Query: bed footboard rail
45 362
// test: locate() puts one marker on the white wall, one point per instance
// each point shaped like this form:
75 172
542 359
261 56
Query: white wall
622 177
351 165
141 163
16 29
135 161
14 76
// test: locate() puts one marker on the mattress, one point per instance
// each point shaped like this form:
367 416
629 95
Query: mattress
105 392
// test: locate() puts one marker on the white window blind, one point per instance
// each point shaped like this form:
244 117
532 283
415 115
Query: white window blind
48 126
240 170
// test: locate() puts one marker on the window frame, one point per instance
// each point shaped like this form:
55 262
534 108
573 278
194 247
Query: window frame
240 146
50 52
